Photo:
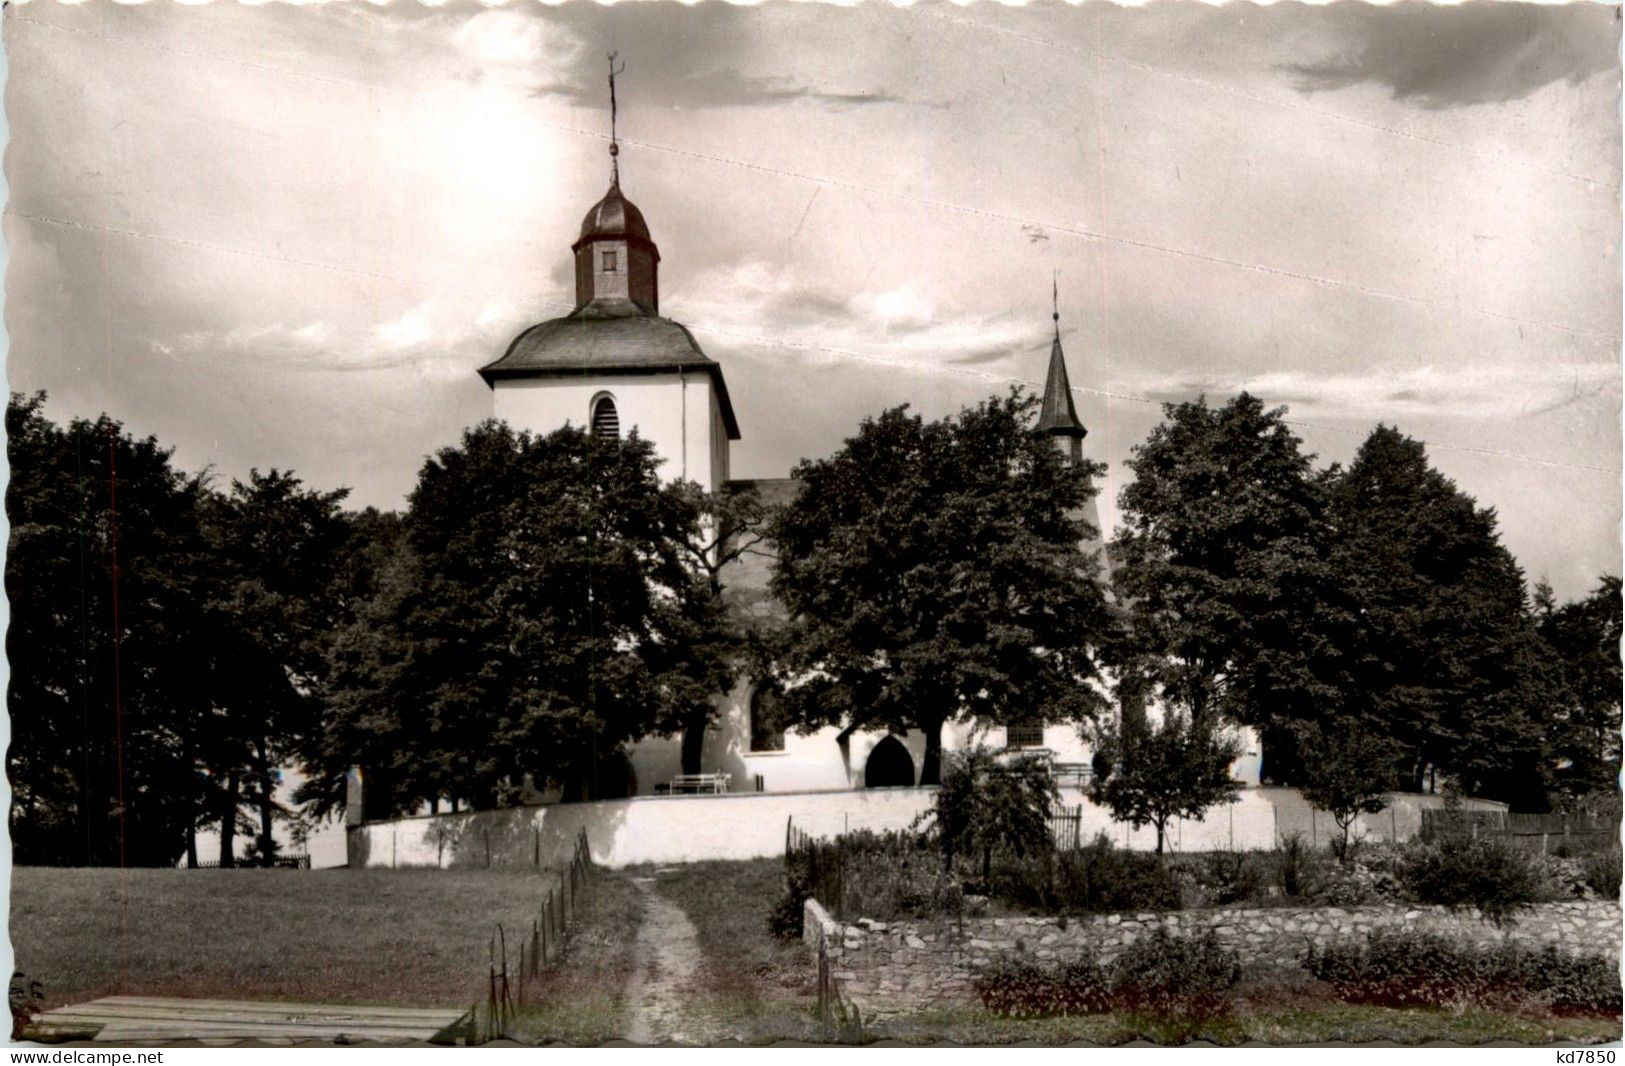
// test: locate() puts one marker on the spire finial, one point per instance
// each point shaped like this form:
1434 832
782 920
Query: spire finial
614 142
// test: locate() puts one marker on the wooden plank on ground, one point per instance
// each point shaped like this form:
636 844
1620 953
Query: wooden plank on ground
143 1018
153 1005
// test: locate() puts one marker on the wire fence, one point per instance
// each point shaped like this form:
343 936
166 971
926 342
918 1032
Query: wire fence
1555 832
281 862
508 990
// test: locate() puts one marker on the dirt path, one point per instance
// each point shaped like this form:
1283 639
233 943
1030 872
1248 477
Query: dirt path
668 982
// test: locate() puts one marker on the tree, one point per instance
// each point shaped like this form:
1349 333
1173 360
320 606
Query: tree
1348 767
1151 773
1448 660
1231 607
276 548
106 576
1585 725
933 571
539 615
721 528
987 805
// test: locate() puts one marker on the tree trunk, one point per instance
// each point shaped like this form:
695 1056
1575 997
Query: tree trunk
1161 827
694 739
228 824
191 847
931 770
267 845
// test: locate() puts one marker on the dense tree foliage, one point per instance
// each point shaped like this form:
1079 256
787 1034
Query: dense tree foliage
933 572
105 576
1232 606
542 609
1449 662
703 655
276 551
545 600
1584 726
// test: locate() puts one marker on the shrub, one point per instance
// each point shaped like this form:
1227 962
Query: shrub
1296 862
1346 886
1102 877
893 883
1189 978
1096 878
1580 984
1457 871
1229 877
1407 969
1174 976
988 804
1602 872
784 921
1560 877
1019 987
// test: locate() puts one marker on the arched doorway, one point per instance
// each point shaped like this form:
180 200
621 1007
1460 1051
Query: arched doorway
889 765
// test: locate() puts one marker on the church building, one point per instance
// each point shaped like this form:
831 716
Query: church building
613 364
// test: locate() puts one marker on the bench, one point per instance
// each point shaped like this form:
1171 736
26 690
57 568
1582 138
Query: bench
695 784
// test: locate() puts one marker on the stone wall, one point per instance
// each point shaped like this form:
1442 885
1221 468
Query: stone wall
907 966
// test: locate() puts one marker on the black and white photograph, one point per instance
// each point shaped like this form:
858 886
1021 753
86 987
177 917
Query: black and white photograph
659 524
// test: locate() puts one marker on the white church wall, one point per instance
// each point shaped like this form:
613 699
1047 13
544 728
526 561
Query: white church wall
820 760
676 412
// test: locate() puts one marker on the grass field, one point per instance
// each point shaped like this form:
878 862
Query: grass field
398 937
581 998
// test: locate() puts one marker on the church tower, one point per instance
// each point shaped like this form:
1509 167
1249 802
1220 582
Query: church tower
1058 420
613 364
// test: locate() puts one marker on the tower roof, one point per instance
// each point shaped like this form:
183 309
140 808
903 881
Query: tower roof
1057 416
613 216
609 340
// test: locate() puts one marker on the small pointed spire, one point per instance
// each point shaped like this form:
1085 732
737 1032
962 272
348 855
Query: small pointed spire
614 141
1057 415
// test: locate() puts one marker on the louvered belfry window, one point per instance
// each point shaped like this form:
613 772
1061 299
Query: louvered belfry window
606 423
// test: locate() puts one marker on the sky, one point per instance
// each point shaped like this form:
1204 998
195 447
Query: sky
279 236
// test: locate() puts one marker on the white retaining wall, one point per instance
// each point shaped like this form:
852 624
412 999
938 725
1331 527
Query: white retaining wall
673 829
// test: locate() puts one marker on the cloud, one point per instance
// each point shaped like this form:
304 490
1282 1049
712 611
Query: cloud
897 326
1443 57
726 87
513 47
428 339
1470 392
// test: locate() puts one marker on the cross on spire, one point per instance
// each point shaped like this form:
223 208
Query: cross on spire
614 142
